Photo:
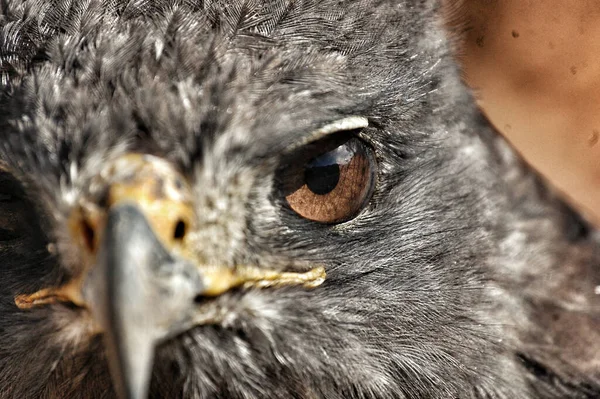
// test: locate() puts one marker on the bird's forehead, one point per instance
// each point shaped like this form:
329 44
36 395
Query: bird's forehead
172 79
229 117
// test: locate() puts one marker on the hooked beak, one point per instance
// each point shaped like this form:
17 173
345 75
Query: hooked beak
142 278
140 295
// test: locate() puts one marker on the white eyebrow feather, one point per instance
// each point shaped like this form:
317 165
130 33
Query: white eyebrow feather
348 123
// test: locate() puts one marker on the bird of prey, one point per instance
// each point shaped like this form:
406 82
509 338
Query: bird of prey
273 199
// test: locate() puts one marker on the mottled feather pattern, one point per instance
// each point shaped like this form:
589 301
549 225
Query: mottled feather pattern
439 289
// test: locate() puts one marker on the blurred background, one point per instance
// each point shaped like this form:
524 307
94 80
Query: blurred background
535 67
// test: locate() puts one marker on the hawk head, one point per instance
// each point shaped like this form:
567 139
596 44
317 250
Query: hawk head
245 199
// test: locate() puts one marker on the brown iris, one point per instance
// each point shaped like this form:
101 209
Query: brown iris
333 185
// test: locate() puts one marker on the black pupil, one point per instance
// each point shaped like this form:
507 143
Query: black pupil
322 179
322 174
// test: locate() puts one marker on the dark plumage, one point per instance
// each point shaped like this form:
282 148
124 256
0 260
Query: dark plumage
462 277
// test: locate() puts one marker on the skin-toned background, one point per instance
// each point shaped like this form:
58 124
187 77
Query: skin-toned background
535 66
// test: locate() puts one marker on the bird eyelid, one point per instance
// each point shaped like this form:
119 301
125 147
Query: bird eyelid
349 123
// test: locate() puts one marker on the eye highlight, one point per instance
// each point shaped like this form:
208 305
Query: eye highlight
334 184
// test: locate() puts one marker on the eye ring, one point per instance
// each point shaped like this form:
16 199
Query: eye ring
333 181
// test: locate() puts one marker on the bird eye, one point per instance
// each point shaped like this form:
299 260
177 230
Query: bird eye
334 184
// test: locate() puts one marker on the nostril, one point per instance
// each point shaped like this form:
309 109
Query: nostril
200 299
180 230
88 235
